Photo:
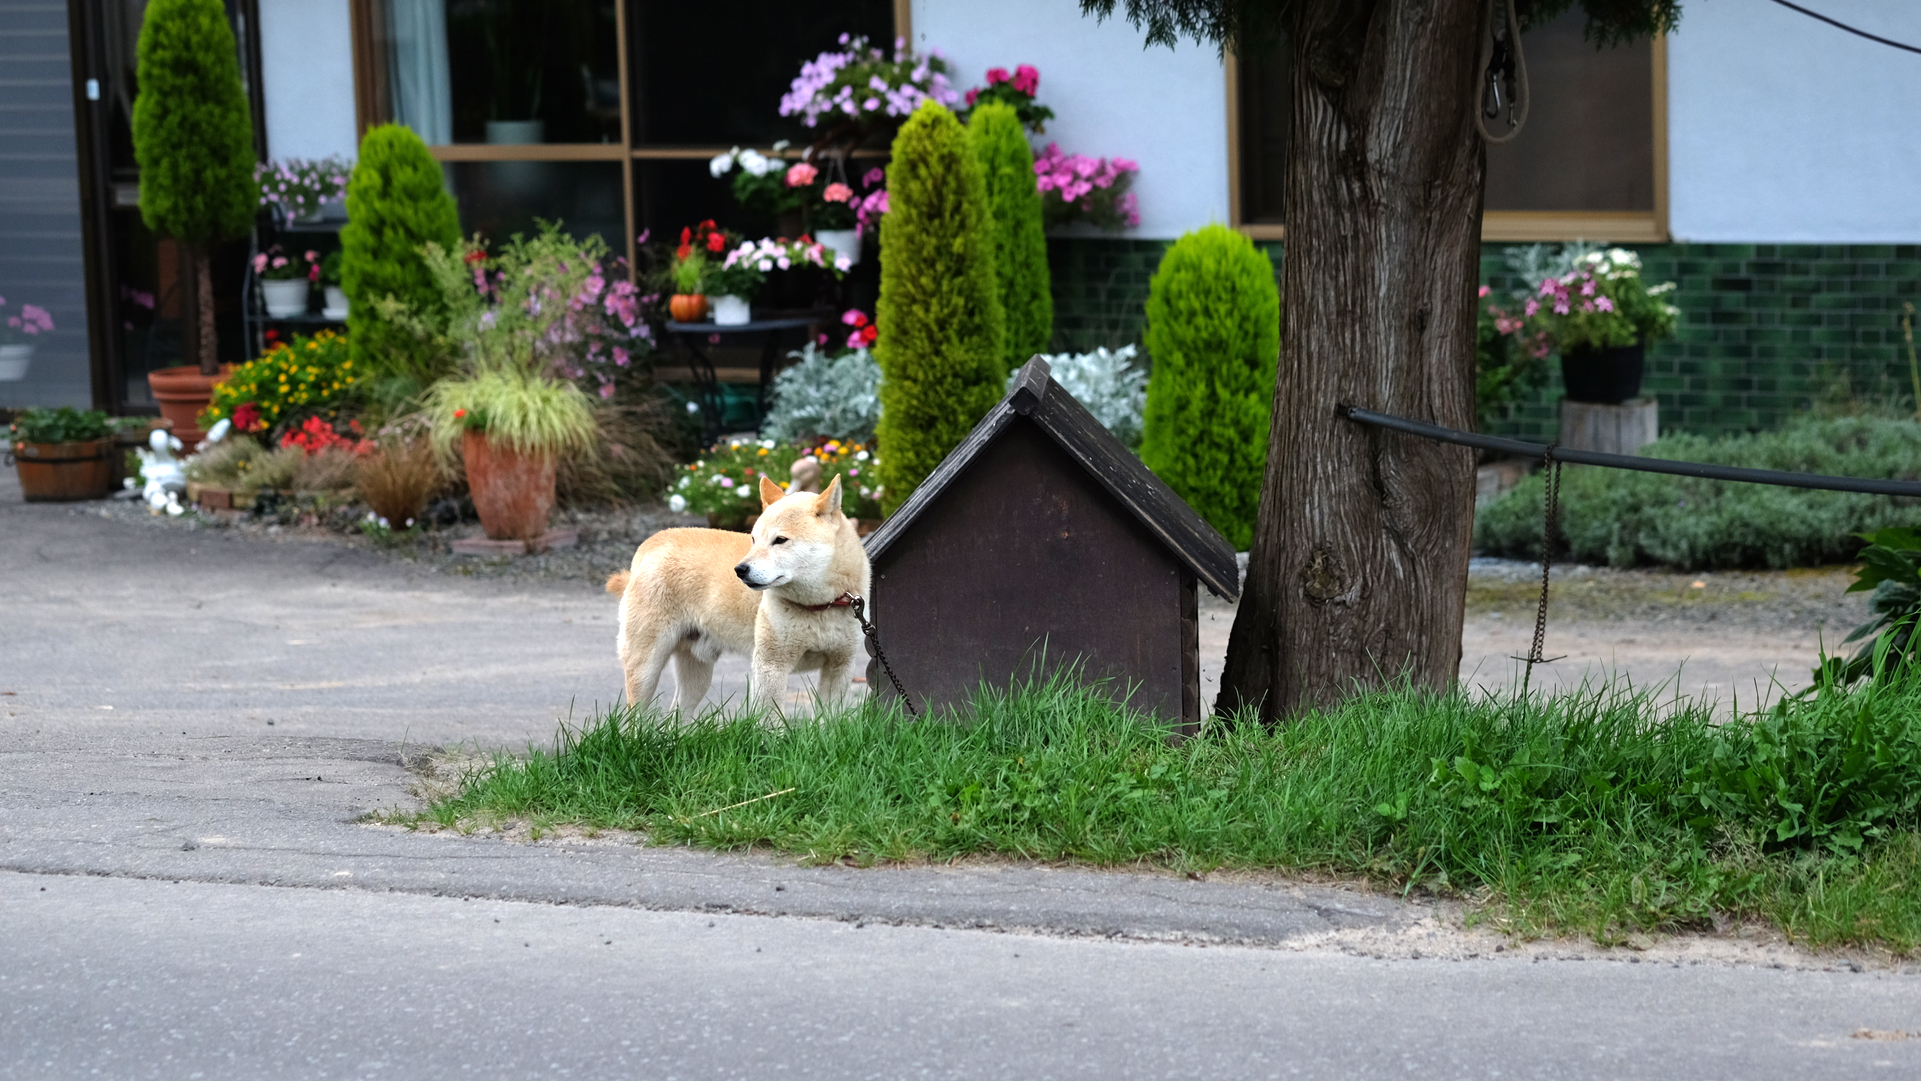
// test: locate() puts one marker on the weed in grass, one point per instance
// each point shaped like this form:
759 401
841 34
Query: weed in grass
1594 811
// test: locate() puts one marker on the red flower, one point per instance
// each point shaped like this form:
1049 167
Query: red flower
708 225
683 251
686 236
459 413
716 241
246 417
475 256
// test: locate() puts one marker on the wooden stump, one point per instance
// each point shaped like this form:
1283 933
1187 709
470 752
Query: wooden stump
1611 429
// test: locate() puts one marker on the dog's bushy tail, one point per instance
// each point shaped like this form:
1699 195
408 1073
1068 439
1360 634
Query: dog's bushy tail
617 583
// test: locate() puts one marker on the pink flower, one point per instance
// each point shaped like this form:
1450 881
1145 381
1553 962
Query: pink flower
1548 287
973 96
801 174
1533 306
1587 288
1560 307
260 262
1604 304
620 356
873 177
313 257
1484 291
1026 79
996 76
837 193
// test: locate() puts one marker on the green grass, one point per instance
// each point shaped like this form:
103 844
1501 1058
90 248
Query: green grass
1596 812
1628 519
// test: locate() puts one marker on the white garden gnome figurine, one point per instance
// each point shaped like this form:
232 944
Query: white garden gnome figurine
165 479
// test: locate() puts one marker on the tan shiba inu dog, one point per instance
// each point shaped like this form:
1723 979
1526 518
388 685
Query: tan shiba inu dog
780 596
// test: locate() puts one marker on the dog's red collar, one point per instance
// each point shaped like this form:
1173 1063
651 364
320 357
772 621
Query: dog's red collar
842 601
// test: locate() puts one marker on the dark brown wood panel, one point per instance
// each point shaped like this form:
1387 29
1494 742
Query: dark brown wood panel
1024 556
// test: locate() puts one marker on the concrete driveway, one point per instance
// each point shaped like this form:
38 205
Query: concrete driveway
192 722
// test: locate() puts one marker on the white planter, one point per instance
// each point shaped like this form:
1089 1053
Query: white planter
336 303
731 311
13 362
285 298
843 241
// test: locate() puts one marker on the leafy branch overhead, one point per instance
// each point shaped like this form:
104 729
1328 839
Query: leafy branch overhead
1237 24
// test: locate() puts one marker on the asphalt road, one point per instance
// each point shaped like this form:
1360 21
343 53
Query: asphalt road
185 890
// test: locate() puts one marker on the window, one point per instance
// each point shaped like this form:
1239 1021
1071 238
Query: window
601 114
1590 164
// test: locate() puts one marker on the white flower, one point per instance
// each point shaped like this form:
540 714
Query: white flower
677 503
754 162
861 457
768 443
684 482
745 491
721 163
693 407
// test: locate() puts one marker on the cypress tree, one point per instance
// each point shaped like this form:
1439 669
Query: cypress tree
1214 336
193 140
397 203
942 333
1020 242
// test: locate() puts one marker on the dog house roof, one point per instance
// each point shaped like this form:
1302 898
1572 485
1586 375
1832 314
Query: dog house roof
1037 397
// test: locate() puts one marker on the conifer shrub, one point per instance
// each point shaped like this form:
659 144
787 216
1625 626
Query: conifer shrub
1020 242
193 139
396 205
942 331
1214 337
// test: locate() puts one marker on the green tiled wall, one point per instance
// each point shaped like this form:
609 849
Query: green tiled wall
1764 327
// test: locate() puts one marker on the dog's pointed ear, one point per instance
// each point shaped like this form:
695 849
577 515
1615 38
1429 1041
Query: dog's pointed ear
770 493
828 502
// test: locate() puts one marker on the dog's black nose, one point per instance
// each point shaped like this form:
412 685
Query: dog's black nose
741 570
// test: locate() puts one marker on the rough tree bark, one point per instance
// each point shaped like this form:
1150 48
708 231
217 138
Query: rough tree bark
1359 564
201 342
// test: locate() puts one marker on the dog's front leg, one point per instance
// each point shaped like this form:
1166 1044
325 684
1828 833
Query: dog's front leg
836 672
768 675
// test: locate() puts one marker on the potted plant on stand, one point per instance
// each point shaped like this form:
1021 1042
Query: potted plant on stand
17 339
63 454
511 410
1600 318
193 139
745 269
285 281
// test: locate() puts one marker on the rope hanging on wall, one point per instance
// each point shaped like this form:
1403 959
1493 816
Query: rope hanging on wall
1504 70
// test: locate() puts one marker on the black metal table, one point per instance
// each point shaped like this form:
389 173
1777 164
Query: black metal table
697 336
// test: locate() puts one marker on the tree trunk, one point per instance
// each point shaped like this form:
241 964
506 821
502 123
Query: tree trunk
1359 567
201 334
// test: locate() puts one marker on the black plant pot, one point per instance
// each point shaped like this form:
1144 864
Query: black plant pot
1609 376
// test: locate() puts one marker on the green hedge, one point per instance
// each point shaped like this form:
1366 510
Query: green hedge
1214 337
397 203
1628 519
942 331
1020 240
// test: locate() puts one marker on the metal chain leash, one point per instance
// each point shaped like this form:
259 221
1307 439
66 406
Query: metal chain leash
859 605
1550 528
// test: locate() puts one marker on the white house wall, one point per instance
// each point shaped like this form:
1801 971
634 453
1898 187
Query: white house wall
307 71
1784 129
1112 98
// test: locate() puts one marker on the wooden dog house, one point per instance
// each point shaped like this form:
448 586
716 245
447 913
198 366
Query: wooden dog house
1042 537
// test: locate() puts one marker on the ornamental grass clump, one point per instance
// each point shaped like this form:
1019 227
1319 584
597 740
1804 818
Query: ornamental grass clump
1213 333
1627 519
1020 240
942 344
397 203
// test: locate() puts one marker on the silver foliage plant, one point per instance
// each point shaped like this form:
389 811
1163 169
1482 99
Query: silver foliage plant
831 396
1108 383
1536 263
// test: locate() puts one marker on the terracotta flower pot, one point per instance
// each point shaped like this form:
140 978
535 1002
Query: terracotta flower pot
687 307
513 492
182 393
63 472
